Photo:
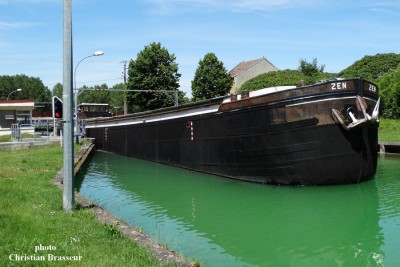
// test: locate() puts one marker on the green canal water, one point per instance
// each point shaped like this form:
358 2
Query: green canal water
223 222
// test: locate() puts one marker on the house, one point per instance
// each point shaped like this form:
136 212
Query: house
247 70
15 111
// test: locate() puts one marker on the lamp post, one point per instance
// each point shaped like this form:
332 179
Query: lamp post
68 141
18 90
77 128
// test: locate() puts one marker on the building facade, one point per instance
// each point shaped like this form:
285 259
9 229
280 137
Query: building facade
247 70
15 111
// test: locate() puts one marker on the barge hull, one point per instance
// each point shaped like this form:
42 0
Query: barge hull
313 158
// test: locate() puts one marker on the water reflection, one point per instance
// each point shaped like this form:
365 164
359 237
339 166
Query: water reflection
388 183
223 222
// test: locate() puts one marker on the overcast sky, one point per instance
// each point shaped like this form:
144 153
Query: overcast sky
337 33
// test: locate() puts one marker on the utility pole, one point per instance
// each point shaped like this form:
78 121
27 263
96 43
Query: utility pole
67 122
124 71
124 74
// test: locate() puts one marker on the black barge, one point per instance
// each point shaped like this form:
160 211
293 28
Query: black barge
326 133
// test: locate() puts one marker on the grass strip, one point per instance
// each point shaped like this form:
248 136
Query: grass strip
33 224
389 130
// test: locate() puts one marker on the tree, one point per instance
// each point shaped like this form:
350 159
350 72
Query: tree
154 69
310 69
211 79
282 78
116 101
99 95
372 67
58 90
389 86
32 88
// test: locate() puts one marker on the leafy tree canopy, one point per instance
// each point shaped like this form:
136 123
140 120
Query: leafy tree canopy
273 78
372 67
211 79
117 98
99 95
310 69
154 69
389 85
282 78
32 88
58 90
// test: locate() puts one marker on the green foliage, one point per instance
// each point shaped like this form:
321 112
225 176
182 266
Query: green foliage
113 230
389 86
99 95
282 78
116 101
372 67
211 79
58 90
154 69
310 69
273 78
32 88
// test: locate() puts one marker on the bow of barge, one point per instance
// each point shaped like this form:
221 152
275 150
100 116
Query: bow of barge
326 133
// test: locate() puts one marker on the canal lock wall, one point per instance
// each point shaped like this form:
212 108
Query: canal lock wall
389 147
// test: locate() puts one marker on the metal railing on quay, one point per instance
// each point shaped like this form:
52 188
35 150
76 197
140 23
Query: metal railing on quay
18 130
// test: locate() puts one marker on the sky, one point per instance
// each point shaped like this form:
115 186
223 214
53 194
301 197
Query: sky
336 33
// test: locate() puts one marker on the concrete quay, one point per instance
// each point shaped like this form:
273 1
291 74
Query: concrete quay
29 142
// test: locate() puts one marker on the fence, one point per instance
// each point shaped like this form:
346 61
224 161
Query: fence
17 131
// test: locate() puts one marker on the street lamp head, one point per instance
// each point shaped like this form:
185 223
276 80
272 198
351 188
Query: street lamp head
18 90
98 53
